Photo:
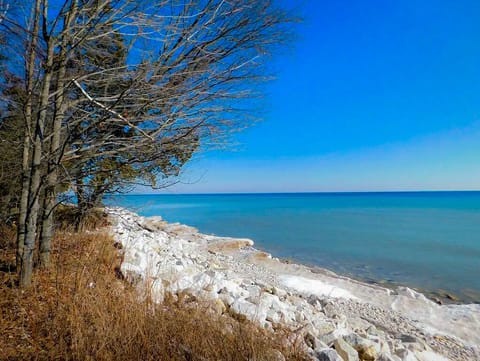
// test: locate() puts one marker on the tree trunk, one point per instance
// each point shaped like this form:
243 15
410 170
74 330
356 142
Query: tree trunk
47 227
22 218
35 178
30 72
52 177
82 203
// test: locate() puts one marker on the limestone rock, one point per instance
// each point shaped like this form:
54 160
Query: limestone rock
327 355
406 355
228 244
407 338
367 350
249 310
273 316
254 292
328 338
226 298
153 224
279 292
387 357
346 352
310 340
380 341
367 353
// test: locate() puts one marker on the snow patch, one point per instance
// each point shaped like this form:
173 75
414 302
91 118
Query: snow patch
315 287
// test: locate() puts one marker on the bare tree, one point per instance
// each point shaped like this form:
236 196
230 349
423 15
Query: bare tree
181 86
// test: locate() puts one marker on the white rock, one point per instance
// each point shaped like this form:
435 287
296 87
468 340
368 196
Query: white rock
254 292
405 355
281 293
388 357
274 316
232 288
346 352
248 309
327 355
182 282
201 281
226 298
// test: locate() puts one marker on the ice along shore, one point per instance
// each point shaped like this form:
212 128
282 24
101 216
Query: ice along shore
337 317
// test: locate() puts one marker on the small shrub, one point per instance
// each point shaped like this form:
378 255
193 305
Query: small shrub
68 218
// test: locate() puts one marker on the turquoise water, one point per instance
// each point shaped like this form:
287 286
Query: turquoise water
428 240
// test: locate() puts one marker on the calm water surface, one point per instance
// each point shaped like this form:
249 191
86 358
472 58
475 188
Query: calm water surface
428 240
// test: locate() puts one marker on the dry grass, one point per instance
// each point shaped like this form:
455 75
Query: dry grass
67 218
79 310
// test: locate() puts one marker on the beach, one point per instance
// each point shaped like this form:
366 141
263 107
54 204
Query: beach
327 311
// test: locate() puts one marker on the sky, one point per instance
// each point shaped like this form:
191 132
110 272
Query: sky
377 95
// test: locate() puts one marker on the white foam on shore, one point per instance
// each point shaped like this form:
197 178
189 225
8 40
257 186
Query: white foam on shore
314 287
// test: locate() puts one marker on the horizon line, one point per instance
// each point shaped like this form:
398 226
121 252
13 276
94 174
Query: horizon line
306 192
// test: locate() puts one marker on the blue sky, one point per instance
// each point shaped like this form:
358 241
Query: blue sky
374 95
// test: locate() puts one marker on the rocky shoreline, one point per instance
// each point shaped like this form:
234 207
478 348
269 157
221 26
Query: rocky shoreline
337 318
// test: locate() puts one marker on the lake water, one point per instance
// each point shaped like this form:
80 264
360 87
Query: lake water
427 240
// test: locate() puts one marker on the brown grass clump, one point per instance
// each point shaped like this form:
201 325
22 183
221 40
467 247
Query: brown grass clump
79 310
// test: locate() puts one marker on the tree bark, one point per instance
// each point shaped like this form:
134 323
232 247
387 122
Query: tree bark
23 206
52 175
35 182
82 203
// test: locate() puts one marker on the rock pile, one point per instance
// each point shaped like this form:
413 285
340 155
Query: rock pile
175 260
